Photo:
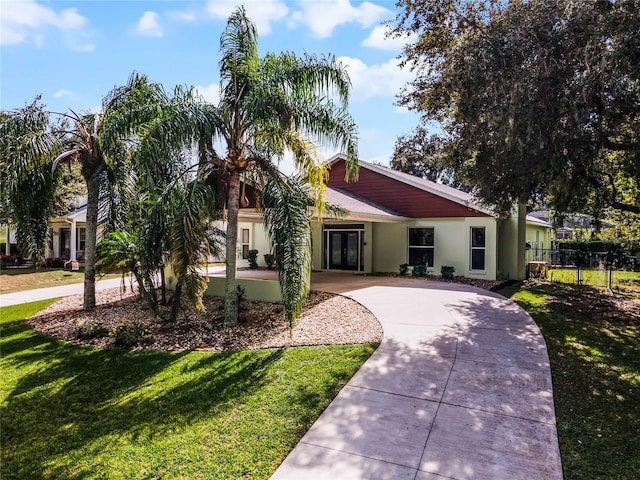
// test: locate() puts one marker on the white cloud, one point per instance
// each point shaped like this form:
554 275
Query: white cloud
63 93
149 25
384 80
323 16
378 39
181 16
28 21
211 92
262 13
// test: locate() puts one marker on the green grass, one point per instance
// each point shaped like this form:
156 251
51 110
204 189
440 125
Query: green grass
18 279
594 277
70 412
594 347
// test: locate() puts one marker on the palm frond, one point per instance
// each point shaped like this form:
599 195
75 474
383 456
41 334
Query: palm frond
286 216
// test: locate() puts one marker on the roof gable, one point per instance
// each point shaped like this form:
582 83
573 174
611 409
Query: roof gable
408 195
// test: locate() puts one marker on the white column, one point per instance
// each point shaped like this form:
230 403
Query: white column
73 247
8 242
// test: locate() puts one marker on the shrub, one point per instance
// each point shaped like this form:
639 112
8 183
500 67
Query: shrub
253 259
447 272
88 330
54 262
269 260
131 334
10 259
404 268
419 271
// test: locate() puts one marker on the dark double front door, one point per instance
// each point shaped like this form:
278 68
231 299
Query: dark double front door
344 250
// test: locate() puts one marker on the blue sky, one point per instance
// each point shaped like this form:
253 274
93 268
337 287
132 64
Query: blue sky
74 52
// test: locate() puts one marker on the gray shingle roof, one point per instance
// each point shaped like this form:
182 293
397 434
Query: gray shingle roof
358 205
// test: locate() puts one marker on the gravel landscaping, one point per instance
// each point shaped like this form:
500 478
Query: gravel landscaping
326 319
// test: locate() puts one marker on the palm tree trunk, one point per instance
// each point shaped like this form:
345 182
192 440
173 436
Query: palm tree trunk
231 286
93 190
176 303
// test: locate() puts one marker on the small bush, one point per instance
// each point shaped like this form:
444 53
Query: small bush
10 259
419 271
131 334
253 259
269 260
88 330
54 262
404 268
447 272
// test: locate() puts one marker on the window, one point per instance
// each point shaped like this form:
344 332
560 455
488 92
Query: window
478 244
245 243
82 238
421 246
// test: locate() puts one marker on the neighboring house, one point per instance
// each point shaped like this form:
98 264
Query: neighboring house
539 239
68 234
394 218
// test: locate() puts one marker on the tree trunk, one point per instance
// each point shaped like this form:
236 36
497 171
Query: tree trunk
93 191
231 286
163 286
176 303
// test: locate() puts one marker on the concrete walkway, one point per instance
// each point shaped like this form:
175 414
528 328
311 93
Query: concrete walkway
16 298
460 388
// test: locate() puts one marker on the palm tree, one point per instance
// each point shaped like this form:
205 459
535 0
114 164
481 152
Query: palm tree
28 141
27 190
271 105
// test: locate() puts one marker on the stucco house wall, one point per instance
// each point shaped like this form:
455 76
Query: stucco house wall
452 245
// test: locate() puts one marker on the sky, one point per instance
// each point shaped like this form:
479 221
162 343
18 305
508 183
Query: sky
74 52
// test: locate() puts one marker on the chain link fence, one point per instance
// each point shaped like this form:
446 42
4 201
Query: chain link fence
584 267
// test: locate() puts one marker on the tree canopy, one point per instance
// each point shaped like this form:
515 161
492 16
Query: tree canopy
539 99
423 155
271 105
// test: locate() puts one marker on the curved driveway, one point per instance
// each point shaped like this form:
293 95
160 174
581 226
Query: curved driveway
460 388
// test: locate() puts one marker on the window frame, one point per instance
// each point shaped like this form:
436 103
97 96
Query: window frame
81 238
245 237
477 248
431 247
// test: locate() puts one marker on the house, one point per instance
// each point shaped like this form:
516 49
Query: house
392 218
395 218
68 235
67 238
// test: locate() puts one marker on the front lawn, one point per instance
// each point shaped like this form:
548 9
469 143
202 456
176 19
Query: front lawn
593 338
70 412
20 279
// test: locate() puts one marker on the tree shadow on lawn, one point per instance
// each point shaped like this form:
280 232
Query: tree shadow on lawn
594 349
71 396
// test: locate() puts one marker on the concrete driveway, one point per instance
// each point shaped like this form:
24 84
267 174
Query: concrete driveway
460 388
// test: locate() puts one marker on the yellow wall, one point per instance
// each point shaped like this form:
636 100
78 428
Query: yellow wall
452 245
255 289
258 240
542 236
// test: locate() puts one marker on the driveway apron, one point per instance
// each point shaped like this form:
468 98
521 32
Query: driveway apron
459 388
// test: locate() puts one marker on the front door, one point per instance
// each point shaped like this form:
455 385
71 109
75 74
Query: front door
344 249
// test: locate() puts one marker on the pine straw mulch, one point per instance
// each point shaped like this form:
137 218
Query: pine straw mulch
326 319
